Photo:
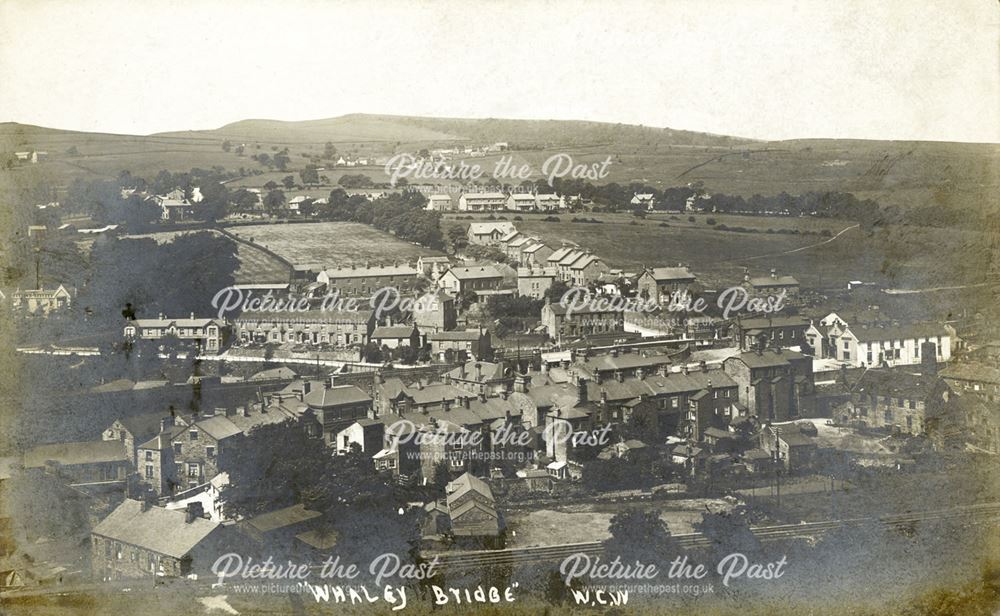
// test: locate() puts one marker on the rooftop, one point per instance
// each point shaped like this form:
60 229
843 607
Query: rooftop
160 530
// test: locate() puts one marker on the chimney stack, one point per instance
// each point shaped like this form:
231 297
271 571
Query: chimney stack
774 273
581 390
928 358
703 366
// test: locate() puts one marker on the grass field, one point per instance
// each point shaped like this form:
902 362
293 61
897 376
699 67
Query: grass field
895 256
331 244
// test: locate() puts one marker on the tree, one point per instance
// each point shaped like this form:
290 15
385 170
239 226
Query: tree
442 475
555 292
239 149
641 535
309 175
281 159
274 201
227 145
329 151
288 182
458 238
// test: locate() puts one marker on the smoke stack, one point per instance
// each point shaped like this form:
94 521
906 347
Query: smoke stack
581 390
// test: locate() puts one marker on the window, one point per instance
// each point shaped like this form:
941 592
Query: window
177 448
149 471
149 455
888 415
674 402
192 469
210 452
911 404
193 434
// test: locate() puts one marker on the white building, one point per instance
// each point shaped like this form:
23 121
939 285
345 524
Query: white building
877 343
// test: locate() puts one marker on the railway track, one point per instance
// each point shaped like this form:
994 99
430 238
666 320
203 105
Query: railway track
527 555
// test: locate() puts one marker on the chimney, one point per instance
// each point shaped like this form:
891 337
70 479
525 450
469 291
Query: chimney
245 410
445 404
664 370
329 381
145 503
192 316
703 366
306 387
193 511
503 394
640 373
162 317
686 369
928 358
482 396
619 376
465 402
774 273
166 422
479 372
581 390
604 398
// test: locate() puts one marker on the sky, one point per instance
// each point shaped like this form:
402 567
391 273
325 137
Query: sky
775 69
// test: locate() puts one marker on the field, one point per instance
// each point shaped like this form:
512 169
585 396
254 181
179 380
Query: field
331 244
908 257
255 264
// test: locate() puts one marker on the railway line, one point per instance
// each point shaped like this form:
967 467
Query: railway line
470 560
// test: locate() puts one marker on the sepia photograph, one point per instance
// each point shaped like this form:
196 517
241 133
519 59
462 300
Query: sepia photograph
500 307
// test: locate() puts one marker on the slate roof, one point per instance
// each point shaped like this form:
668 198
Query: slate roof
144 425
281 518
160 530
971 371
766 359
338 395
896 384
465 484
219 427
68 454
898 332
664 274
475 272
776 281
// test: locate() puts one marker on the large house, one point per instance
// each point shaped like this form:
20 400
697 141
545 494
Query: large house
435 312
488 233
775 385
877 343
477 279
773 285
141 540
561 324
773 331
340 328
42 300
533 282
439 203
363 281
482 202
206 332
897 400
660 283
474 343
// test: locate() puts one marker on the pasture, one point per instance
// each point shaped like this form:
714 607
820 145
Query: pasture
331 244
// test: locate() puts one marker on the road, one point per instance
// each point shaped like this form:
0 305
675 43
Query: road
794 250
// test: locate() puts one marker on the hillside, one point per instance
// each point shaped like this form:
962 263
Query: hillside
905 174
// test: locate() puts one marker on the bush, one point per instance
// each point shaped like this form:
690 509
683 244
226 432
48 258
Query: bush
672 217
518 218
710 221
551 219
663 224
826 233
692 219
